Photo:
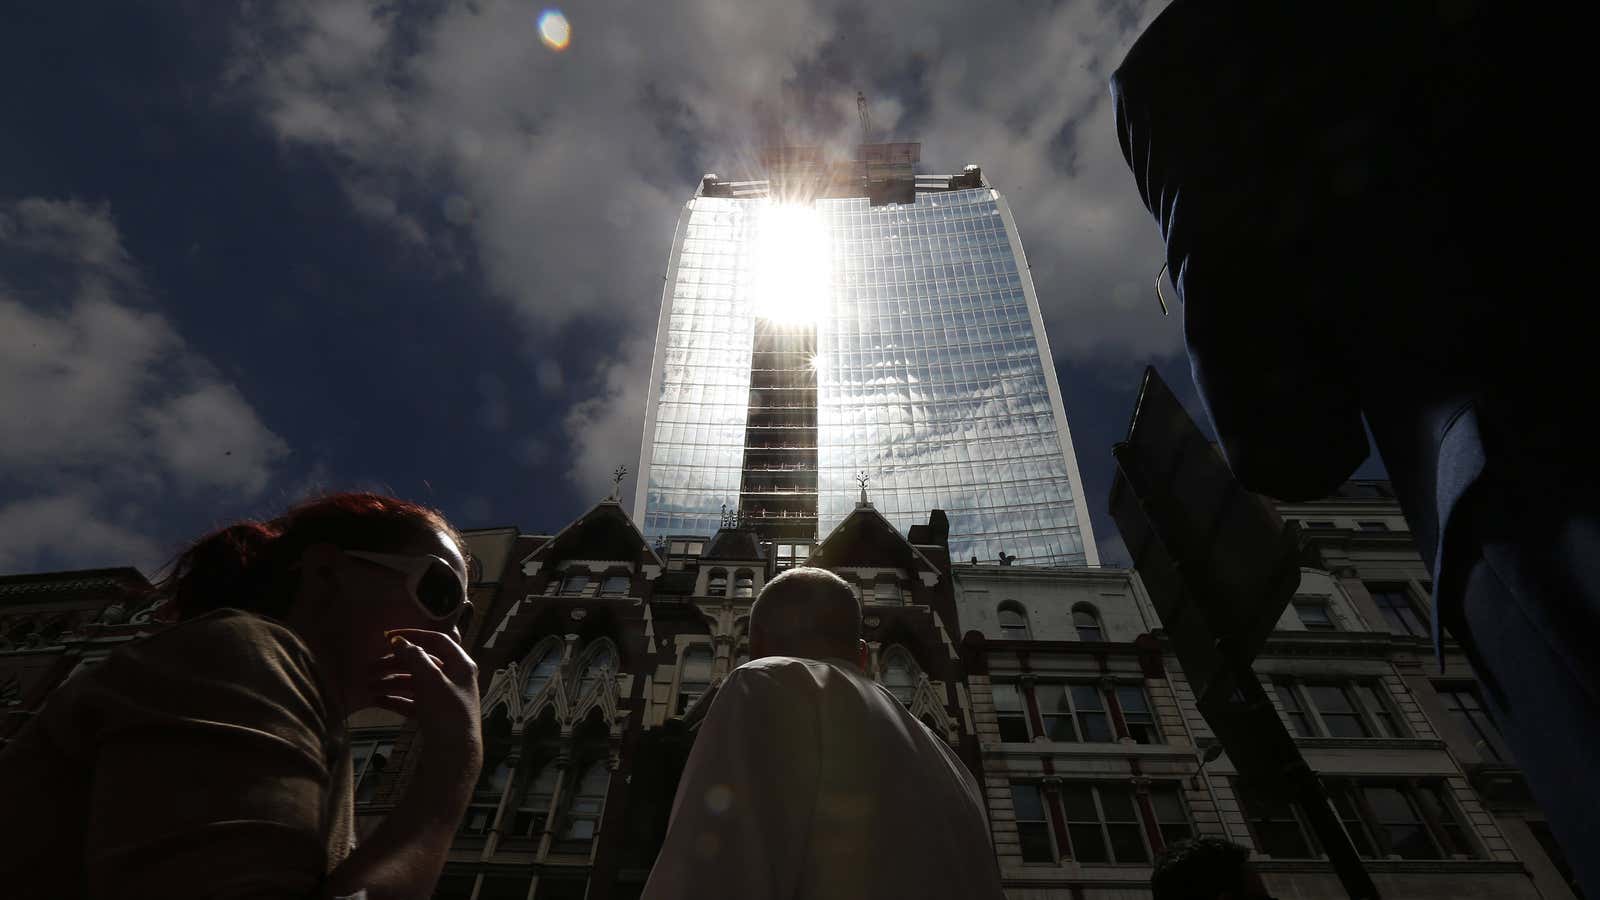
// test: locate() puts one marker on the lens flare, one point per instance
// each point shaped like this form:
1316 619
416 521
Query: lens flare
794 274
554 30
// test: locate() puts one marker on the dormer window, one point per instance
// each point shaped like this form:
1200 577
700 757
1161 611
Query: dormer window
615 586
575 583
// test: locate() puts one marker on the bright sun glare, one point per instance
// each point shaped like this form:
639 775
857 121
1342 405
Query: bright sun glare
795 274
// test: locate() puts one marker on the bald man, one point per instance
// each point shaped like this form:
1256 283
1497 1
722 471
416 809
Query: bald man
809 780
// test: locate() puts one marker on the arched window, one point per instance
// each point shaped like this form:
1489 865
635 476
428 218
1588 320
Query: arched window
542 670
1087 621
534 810
583 816
717 584
744 584
696 677
600 664
899 675
1014 622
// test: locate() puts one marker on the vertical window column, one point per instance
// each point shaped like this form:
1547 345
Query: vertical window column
1035 722
1147 813
1052 801
1108 687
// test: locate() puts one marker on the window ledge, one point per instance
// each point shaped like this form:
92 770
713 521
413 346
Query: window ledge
1267 864
1331 743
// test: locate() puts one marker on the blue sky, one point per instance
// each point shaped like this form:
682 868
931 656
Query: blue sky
248 250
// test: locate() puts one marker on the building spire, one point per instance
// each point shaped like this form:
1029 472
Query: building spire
862 478
617 477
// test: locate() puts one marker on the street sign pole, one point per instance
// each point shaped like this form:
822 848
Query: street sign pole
1220 566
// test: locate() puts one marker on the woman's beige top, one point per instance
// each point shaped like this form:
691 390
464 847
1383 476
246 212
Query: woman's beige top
207 760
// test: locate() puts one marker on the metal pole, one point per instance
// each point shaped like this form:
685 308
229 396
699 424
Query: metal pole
1330 832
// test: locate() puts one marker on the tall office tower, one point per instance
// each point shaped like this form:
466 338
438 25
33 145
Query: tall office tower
844 319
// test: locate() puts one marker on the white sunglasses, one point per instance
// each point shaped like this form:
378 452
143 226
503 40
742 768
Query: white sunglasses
433 583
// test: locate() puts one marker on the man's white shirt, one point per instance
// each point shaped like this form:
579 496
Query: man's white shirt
809 780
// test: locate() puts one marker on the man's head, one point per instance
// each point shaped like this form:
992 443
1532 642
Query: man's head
1206 868
810 613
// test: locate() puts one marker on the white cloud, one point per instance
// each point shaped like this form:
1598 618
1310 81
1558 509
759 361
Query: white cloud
566 170
71 526
104 405
604 429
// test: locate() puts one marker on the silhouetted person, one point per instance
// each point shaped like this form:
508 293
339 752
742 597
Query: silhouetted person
211 758
809 780
1373 215
1206 868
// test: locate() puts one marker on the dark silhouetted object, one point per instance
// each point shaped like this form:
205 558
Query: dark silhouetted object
1205 868
1365 211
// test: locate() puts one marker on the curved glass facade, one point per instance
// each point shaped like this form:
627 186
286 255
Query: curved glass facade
929 377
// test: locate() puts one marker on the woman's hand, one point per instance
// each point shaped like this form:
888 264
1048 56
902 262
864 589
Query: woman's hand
430 679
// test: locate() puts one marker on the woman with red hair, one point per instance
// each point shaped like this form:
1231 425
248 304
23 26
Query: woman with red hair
211 758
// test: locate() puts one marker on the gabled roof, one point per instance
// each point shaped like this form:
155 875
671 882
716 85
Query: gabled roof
604 532
734 543
866 538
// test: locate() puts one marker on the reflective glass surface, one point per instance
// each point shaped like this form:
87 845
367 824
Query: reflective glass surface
929 376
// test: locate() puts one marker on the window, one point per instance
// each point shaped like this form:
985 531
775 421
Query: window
615 585
583 815
543 669
1399 613
1033 832
1013 622
528 821
1055 711
1373 703
887 590
899 677
1411 820
1103 823
555 887
744 585
486 796
1337 709
369 759
1087 621
575 583
1011 713
1136 714
600 665
696 677
1465 709
1314 615
505 887
1373 526
1172 815
1276 823
717 584
1093 723
454 886
1319 525
1072 711
1292 707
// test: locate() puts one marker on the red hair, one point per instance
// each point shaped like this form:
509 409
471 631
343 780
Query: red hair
249 565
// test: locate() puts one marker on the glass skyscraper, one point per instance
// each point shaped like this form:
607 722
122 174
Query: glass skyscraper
843 319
